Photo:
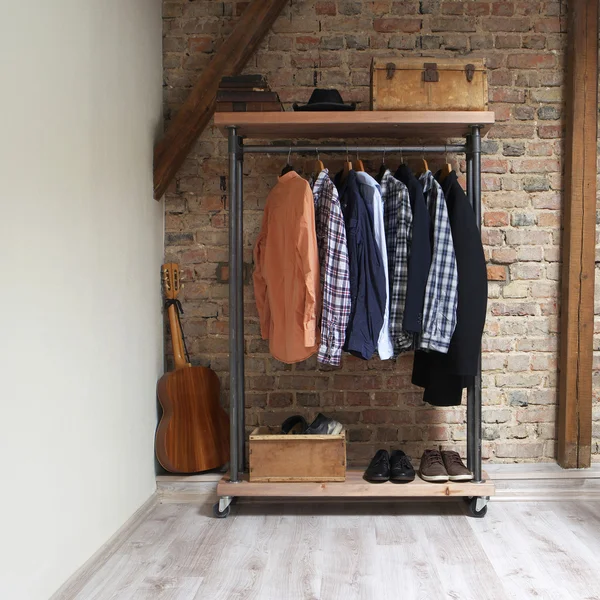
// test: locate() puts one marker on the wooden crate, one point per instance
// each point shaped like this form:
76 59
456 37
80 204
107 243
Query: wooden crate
429 84
275 457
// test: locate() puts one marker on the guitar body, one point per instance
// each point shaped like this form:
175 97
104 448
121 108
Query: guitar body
193 433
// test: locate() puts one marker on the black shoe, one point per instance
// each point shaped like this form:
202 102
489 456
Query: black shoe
323 425
295 424
378 470
401 470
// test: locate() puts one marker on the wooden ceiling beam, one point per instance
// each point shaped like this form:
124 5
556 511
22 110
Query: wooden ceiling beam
578 243
196 112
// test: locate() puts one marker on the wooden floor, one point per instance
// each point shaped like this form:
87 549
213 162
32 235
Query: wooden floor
355 551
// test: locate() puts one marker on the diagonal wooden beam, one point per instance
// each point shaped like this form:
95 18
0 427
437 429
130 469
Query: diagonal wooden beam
579 217
199 107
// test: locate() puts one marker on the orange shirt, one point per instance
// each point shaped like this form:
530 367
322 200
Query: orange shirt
286 273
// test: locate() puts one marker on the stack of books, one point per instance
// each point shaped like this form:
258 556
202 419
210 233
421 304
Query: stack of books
247 93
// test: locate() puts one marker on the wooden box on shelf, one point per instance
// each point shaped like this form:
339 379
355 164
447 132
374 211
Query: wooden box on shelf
295 458
429 84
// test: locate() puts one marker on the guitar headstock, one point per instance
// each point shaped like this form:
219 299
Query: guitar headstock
171 280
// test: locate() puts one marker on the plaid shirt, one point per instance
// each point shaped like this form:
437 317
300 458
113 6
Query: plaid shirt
335 269
398 234
441 293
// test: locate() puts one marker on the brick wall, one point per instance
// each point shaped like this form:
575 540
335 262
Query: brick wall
332 43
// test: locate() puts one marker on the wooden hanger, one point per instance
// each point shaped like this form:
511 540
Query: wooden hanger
318 166
423 166
347 167
445 170
359 164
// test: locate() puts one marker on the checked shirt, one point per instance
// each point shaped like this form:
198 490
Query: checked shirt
398 234
441 293
335 269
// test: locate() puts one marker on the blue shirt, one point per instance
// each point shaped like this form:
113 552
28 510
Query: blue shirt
367 277
419 260
371 193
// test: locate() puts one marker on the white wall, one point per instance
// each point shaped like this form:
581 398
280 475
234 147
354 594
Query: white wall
80 249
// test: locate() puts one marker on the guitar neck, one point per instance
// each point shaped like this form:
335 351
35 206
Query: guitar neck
176 339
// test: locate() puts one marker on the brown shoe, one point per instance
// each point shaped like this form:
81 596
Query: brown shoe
455 467
432 467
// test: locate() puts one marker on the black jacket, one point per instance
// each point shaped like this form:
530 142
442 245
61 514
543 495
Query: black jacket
445 375
420 252
368 290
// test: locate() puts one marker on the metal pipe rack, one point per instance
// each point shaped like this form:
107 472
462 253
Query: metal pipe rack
237 150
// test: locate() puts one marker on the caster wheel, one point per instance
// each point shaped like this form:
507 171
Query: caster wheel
472 508
221 515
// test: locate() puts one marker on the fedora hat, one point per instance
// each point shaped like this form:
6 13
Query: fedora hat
322 99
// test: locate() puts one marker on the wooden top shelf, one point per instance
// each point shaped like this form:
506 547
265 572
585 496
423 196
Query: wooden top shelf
355 124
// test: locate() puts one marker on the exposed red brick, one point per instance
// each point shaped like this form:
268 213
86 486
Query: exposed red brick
307 40
506 94
504 255
356 382
496 273
495 219
503 9
535 165
550 131
477 8
493 165
502 112
381 415
391 25
531 61
453 8
506 24
325 8
201 44
547 25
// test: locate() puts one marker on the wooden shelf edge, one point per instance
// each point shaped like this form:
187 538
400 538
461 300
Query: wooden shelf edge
355 487
374 124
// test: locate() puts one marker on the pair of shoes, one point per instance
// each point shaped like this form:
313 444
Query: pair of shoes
396 468
322 425
440 466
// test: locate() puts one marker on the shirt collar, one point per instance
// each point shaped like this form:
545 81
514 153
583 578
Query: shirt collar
365 178
288 176
427 181
321 177
349 181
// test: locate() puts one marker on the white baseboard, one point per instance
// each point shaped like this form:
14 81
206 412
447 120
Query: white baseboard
71 588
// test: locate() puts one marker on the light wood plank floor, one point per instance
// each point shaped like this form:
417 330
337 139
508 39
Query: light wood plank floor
354 551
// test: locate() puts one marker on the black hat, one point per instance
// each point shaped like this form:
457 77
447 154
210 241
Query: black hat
325 100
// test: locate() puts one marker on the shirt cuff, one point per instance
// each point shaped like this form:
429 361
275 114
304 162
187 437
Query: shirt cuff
310 333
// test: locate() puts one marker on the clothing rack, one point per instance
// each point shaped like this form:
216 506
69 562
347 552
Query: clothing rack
471 125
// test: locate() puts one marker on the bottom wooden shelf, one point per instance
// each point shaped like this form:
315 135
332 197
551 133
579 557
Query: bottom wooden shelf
355 487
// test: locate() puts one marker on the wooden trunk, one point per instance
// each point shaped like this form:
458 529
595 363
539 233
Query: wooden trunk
289 458
429 84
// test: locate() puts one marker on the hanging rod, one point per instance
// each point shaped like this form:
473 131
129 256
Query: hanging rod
344 149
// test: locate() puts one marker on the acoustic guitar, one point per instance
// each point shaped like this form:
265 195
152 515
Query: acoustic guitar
193 432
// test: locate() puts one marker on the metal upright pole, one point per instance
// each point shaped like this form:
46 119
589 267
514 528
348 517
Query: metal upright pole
469 160
234 227
475 422
238 274
471 387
